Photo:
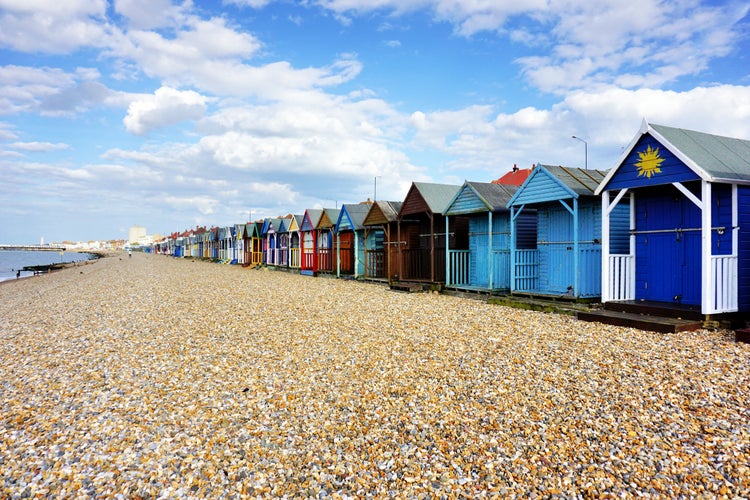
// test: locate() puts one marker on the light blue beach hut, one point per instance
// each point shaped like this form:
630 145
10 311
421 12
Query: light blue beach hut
350 239
485 264
567 259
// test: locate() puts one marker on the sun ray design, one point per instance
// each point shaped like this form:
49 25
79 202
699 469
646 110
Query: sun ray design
649 162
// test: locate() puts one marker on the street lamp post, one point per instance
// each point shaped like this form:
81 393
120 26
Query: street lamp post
375 192
585 151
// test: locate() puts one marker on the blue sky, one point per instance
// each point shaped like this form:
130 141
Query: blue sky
170 114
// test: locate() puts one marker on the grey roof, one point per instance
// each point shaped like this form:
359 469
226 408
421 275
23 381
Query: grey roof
357 213
333 215
437 196
581 181
496 195
390 209
719 157
314 216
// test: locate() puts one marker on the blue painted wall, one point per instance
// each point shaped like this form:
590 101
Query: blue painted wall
672 169
555 243
743 266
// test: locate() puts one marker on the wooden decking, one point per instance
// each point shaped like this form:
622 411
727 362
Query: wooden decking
645 315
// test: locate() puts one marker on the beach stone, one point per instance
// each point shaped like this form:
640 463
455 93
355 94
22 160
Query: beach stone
156 377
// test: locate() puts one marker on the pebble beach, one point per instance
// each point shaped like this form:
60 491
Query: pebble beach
154 377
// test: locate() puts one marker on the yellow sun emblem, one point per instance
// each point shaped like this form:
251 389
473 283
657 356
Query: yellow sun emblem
649 164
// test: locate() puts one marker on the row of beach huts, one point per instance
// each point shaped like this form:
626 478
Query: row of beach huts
669 224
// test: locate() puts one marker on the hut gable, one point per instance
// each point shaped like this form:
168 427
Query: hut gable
310 219
552 183
328 218
662 155
476 197
425 197
352 216
294 223
382 212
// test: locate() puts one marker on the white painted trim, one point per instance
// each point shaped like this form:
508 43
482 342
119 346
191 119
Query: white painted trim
616 200
691 196
708 286
631 249
606 210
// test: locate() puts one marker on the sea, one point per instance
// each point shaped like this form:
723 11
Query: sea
11 261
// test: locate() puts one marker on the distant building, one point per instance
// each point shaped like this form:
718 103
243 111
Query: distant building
136 234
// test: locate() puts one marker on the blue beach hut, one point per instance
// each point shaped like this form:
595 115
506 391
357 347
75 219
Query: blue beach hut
381 243
350 239
485 264
567 259
689 198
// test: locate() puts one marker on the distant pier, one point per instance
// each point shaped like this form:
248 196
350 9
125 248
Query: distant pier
48 248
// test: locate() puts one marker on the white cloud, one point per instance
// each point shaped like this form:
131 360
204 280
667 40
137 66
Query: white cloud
38 147
149 14
166 106
52 26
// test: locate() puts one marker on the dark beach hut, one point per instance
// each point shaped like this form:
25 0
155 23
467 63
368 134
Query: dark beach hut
688 195
421 236
485 264
381 249
567 258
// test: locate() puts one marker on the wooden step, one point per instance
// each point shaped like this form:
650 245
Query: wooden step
407 287
657 309
646 322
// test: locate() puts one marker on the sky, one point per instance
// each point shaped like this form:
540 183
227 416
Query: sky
171 115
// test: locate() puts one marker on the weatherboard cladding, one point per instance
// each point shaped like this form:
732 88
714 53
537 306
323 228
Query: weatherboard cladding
382 212
743 264
556 248
553 183
474 197
670 168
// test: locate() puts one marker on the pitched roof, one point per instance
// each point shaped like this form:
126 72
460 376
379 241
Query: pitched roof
515 177
581 181
712 157
436 196
313 215
356 212
388 209
719 157
495 195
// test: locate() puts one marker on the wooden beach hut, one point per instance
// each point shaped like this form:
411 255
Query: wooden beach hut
688 195
293 224
255 230
421 236
350 236
309 241
271 235
381 245
485 264
239 243
567 259
326 229
282 242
